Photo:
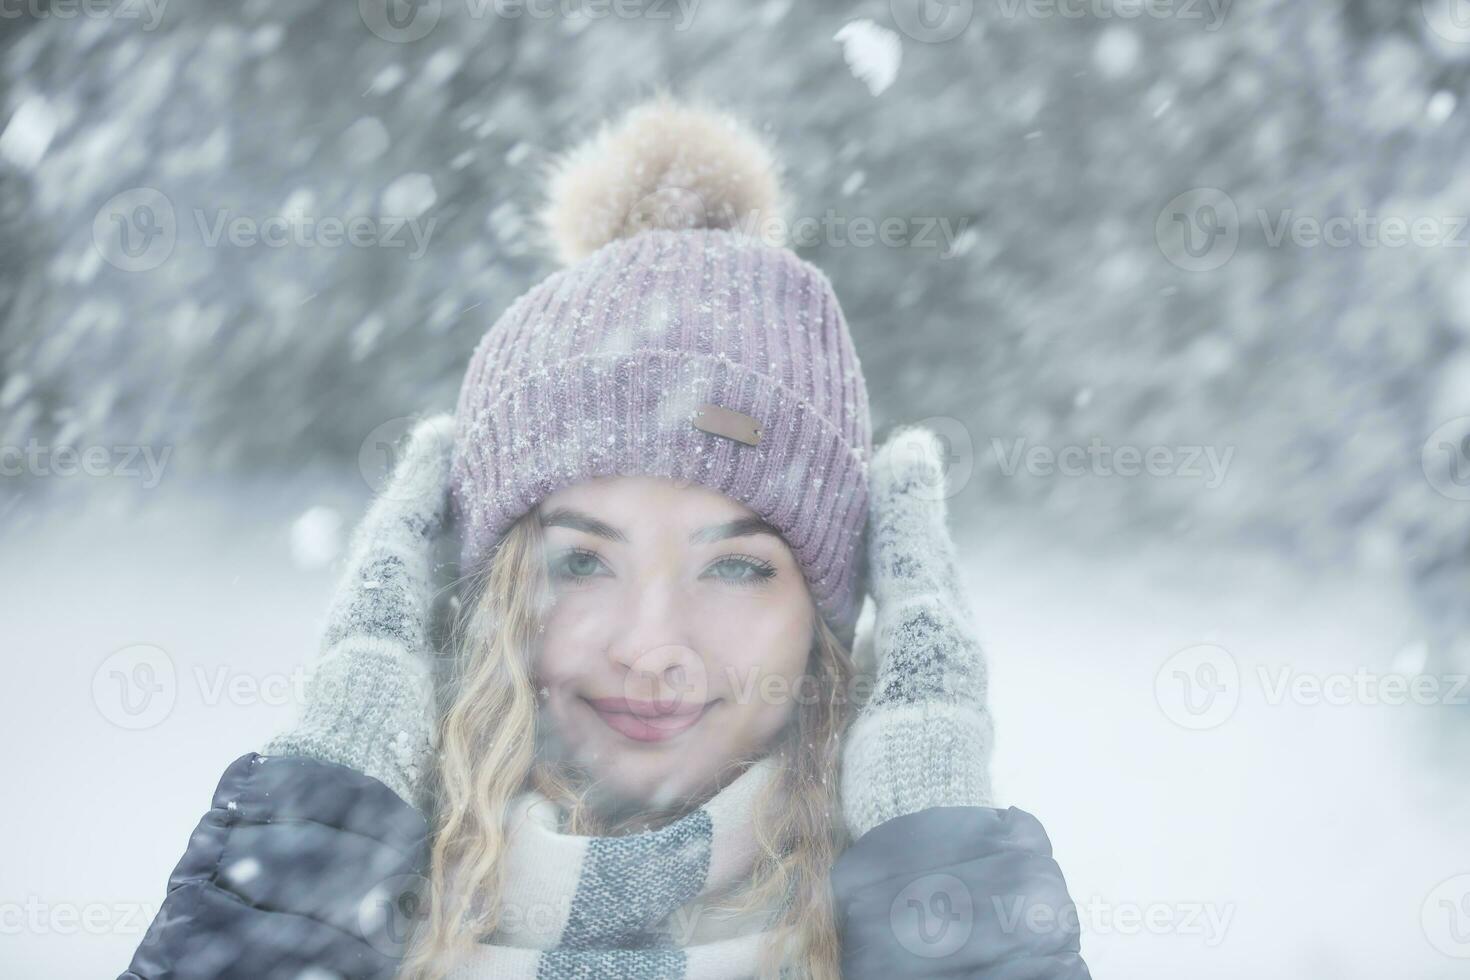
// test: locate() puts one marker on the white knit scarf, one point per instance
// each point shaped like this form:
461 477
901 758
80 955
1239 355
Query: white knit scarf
629 907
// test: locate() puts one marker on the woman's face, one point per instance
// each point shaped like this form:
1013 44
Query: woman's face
678 636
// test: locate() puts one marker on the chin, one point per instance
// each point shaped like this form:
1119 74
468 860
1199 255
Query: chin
655 784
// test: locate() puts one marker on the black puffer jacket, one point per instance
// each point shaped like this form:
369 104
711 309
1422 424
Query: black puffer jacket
309 869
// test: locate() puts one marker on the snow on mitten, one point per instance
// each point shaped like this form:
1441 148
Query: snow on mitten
924 737
369 703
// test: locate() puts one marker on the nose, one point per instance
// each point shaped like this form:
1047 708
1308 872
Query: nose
652 649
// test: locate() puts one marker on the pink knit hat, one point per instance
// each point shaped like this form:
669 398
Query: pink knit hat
678 343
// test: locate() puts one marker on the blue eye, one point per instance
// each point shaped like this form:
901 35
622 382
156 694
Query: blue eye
575 565
744 570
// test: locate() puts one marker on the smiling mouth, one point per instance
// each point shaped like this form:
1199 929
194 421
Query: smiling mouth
642 722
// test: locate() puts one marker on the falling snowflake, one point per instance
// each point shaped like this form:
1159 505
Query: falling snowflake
25 139
873 53
243 870
316 537
409 196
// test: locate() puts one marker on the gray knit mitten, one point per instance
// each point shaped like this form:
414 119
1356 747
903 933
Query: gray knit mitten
924 737
369 703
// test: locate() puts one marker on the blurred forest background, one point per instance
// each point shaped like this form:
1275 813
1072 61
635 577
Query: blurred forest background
1048 143
1110 207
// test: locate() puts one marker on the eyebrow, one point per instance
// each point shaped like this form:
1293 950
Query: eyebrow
579 521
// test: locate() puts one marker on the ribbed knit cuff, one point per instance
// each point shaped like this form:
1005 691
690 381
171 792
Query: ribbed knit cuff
369 707
902 758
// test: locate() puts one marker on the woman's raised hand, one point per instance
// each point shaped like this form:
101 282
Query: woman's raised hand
924 737
369 703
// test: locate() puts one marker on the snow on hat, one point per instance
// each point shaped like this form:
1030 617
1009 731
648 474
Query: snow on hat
679 342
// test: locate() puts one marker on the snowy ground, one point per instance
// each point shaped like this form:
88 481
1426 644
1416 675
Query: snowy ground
1289 840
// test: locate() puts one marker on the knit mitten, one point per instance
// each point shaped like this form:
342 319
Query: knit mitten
923 738
369 703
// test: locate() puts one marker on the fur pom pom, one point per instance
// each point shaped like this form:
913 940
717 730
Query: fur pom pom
662 165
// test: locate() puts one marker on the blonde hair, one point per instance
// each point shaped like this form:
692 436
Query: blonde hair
488 739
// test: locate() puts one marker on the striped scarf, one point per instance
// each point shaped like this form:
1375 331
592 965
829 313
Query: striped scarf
627 907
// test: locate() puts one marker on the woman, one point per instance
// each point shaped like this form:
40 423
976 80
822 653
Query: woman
649 751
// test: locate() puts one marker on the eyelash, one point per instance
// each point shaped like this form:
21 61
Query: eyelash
761 570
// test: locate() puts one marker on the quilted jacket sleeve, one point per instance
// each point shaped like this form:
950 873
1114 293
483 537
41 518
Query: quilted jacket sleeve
956 891
300 868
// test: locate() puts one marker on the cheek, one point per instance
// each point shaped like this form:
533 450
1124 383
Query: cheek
748 643
574 637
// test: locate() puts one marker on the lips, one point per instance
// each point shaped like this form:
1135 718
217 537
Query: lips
647 721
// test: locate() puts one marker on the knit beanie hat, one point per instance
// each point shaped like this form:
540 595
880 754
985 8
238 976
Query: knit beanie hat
679 341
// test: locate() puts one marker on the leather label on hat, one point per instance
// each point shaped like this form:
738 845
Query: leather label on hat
721 421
